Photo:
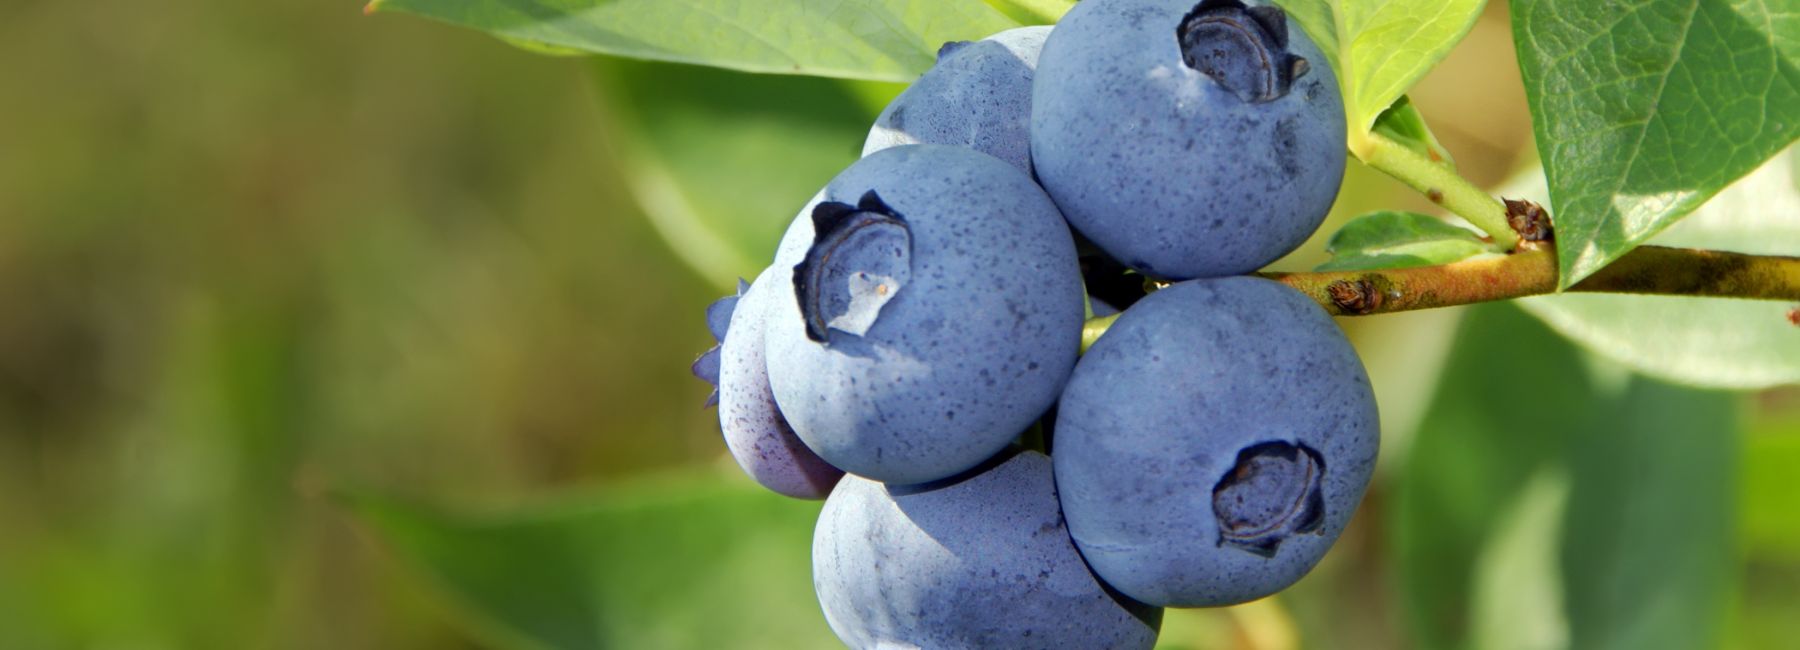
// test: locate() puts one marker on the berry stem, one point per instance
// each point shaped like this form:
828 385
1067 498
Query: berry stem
1648 270
1439 182
1093 328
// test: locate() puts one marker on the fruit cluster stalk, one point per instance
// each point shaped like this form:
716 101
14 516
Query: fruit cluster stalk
1648 270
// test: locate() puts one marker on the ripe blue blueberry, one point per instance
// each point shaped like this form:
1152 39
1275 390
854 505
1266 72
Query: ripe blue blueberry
978 96
935 314
1187 140
755 431
982 561
1214 442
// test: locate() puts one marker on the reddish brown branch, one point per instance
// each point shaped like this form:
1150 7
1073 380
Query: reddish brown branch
1650 270
1531 271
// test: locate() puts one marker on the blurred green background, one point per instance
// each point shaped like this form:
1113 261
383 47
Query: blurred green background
273 273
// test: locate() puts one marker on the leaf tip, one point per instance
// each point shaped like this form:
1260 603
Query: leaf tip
1573 268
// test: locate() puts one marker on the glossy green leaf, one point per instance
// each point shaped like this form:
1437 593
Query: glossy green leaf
1528 443
722 161
1319 19
1380 48
885 40
1644 110
697 562
1392 240
1738 344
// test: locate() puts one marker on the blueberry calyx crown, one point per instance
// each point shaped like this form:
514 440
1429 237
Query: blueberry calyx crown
860 259
951 47
718 321
1273 492
1242 48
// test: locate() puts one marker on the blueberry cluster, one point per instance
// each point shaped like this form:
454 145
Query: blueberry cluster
911 354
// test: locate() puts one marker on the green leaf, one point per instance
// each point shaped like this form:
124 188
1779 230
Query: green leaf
1033 12
884 40
1392 240
1403 124
1527 444
1649 544
1380 48
1708 342
1319 19
1517 600
695 562
722 161
1474 452
1771 477
1771 570
1644 110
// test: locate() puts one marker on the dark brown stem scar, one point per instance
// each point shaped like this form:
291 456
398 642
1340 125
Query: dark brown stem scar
1244 49
1530 220
861 255
1436 195
1355 297
1275 491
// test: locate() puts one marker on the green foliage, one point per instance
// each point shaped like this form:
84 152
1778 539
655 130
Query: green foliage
883 40
1033 12
1770 462
721 160
684 562
1404 124
1644 110
1738 344
1392 240
1380 48
1593 509
1649 542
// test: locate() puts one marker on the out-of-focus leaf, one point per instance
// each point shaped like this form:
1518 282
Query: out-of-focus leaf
1380 48
542 48
1736 344
885 40
1391 240
1649 543
1644 110
721 161
1033 12
1403 124
1771 479
1518 600
1512 396
1644 549
688 563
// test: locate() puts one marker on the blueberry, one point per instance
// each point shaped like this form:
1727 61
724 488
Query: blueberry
978 96
755 431
979 562
1187 140
1214 442
936 312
